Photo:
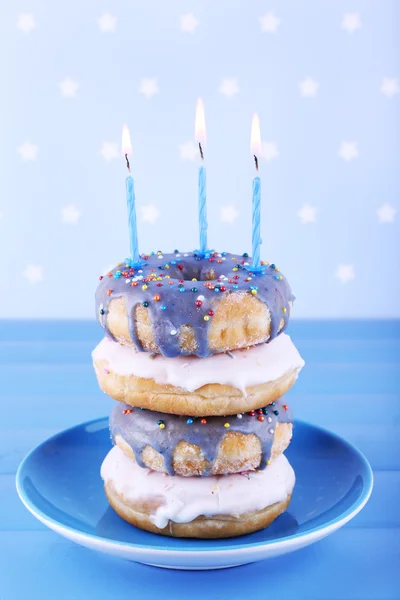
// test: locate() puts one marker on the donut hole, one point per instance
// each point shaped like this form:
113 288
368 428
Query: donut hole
188 272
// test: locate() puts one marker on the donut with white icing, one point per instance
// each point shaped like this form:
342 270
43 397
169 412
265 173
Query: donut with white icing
200 507
189 447
187 304
222 384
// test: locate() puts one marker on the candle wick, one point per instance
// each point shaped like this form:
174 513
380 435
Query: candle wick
127 163
201 152
256 161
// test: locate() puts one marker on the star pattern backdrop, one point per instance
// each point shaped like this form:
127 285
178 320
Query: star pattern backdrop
324 78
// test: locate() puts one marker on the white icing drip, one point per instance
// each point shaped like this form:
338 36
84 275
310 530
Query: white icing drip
185 498
254 366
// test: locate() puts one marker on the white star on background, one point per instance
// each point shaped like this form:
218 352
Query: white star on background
188 151
389 86
269 151
109 150
148 87
309 87
351 22
68 87
307 214
345 273
229 87
28 151
386 213
348 151
70 214
33 273
269 23
228 213
189 23
26 22
149 213
107 23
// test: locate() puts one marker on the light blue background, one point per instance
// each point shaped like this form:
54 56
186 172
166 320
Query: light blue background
228 43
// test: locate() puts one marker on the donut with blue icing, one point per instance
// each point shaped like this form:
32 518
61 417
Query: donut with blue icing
191 304
187 446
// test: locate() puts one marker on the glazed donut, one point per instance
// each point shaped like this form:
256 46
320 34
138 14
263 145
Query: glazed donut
201 507
191 386
213 446
182 304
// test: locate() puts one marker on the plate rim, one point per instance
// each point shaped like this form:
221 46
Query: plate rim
271 545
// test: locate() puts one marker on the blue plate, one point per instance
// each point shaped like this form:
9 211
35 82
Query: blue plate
59 482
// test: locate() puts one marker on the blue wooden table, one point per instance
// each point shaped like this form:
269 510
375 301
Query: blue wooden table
351 384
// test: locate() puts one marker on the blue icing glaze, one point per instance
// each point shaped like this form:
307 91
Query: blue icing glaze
177 304
139 428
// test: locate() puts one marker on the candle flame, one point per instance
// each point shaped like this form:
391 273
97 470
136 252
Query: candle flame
255 140
126 141
200 123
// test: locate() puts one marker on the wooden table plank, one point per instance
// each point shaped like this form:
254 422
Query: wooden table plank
352 564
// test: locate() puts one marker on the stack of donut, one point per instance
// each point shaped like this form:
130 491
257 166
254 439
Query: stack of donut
196 355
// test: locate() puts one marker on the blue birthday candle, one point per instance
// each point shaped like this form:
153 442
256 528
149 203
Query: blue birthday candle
200 136
202 209
255 146
130 198
130 201
256 236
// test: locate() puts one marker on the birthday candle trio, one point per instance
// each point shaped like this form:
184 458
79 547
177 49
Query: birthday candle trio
200 137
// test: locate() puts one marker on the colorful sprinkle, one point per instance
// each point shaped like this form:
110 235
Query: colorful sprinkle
206 318
227 425
198 303
285 406
284 310
239 416
145 304
260 418
211 313
144 287
189 421
253 292
194 290
276 412
173 332
157 297
163 307
109 292
203 421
